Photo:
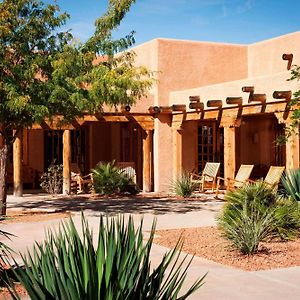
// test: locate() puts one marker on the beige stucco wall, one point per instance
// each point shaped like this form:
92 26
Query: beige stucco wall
265 58
189 64
262 85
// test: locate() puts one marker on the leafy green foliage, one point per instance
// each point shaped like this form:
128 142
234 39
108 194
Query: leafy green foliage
254 213
109 179
44 73
291 183
4 252
183 186
66 266
52 179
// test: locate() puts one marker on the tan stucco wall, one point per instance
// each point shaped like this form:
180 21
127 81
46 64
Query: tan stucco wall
189 64
265 58
262 85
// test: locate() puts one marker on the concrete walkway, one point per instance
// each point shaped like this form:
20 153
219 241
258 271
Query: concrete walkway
222 282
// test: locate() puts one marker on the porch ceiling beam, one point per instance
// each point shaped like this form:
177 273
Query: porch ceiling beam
257 98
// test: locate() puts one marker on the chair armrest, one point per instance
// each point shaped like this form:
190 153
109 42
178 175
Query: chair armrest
195 175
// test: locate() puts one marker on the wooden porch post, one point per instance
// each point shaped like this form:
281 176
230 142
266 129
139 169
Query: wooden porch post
229 124
292 150
66 162
292 143
147 160
177 151
229 152
17 166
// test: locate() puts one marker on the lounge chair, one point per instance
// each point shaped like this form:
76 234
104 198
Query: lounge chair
240 179
273 176
79 180
209 175
128 168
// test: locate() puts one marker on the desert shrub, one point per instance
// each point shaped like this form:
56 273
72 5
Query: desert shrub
4 252
287 214
291 183
52 179
66 266
109 179
183 186
254 213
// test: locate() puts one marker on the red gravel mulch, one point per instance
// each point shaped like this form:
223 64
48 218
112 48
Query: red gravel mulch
208 242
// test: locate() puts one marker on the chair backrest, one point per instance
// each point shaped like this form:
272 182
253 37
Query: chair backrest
128 168
212 170
243 175
75 169
274 175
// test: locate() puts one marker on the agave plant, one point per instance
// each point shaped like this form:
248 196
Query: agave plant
4 252
291 183
68 267
183 186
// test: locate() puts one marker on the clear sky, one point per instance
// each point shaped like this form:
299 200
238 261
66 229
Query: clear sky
229 21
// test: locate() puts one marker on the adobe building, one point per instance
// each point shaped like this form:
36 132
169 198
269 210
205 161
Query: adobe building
212 102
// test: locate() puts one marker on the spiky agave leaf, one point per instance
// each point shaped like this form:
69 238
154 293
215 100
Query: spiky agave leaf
68 266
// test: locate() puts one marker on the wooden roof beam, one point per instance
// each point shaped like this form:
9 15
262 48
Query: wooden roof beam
282 95
234 100
289 58
178 107
215 103
257 98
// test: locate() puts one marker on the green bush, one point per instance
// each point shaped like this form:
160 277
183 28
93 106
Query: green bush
109 179
4 252
183 186
254 213
52 179
291 183
66 266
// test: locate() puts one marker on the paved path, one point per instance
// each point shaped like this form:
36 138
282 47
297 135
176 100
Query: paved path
222 282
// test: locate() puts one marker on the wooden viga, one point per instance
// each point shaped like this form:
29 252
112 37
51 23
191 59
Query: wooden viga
289 58
287 95
254 97
160 109
234 101
195 103
215 103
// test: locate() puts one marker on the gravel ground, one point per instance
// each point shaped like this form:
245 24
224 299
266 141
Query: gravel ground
207 242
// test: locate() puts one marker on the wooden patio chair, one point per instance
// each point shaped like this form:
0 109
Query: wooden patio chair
209 175
128 168
273 176
80 180
240 179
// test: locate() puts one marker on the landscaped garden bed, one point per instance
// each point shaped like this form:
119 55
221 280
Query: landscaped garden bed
209 243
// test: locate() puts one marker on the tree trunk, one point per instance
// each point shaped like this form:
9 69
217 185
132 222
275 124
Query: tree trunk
3 178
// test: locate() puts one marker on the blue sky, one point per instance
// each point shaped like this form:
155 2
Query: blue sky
229 21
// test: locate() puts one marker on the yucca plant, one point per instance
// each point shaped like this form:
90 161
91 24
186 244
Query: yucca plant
291 183
109 179
69 267
4 252
254 213
183 186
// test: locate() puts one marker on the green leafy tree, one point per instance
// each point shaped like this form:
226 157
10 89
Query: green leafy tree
43 73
